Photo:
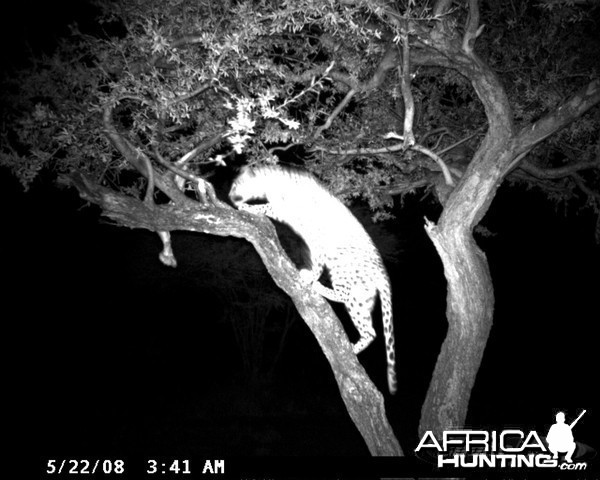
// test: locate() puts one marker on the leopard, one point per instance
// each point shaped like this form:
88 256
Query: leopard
337 242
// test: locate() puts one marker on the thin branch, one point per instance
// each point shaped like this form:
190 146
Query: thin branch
425 151
135 156
205 145
149 196
472 28
283 148
580 182
388 62
460 142
551 3
393 148
205 190
435 131
399 188
308 75
202 88
361 151
558 172
335 113
313 84
437 159
405 81
551 186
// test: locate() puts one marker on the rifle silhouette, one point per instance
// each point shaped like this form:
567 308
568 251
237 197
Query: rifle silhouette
576 420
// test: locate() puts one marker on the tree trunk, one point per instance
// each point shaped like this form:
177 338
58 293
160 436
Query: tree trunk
469 310
470 297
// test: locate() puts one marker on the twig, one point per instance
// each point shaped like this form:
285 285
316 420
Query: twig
313 83
459 142
582 186
335 113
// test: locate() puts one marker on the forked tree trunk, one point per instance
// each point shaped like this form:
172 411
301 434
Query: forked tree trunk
469 311
470 297
470 294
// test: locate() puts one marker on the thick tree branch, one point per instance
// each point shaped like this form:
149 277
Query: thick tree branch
470 299
572 109
363 401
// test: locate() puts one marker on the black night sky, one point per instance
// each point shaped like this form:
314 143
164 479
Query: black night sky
114 353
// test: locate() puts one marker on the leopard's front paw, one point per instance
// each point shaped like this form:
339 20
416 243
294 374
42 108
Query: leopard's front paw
244 207
306 277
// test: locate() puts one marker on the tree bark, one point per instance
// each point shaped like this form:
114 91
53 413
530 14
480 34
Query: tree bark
470 296
469 311
364 402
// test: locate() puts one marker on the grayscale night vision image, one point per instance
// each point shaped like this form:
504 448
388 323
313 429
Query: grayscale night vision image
302 239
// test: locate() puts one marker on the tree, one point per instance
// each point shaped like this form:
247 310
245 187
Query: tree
377 98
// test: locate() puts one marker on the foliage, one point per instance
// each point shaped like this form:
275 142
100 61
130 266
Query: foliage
269 74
